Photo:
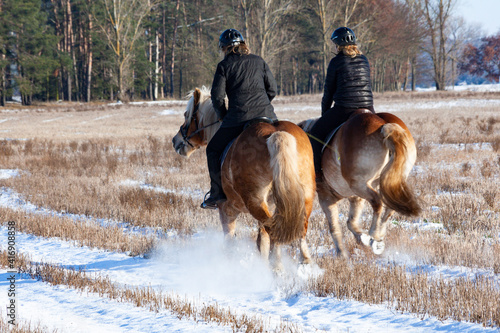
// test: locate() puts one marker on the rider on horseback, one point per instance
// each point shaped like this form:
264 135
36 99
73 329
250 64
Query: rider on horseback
348 84
250 86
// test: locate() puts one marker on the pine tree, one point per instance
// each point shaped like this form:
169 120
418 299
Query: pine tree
31 46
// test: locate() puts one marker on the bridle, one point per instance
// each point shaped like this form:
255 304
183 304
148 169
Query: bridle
184 128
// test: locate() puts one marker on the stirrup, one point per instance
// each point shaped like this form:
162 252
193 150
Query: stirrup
206 205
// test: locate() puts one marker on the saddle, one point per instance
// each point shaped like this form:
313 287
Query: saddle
247 124
259 120
330 136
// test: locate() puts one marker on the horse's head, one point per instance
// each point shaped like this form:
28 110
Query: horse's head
200 123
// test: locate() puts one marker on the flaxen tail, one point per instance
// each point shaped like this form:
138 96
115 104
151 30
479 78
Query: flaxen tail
395 192
287 223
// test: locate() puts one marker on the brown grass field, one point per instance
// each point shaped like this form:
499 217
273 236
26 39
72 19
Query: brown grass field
91 159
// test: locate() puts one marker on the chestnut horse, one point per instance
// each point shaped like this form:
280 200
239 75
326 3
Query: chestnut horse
268 164
369 158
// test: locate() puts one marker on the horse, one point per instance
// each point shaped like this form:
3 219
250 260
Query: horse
368 159
269 164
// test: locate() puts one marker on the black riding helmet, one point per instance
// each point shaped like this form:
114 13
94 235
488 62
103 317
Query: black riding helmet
343 36
230 37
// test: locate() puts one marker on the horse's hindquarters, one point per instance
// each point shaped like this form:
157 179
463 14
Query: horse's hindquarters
272 159
348 161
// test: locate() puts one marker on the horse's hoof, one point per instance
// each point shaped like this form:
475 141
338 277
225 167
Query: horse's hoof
378 247
279 270
366 239
306 261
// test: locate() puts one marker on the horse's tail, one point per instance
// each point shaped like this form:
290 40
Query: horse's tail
394 190
287 223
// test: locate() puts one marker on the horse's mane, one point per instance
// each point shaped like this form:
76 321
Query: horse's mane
206 112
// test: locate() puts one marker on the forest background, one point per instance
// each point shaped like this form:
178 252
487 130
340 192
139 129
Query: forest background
84 50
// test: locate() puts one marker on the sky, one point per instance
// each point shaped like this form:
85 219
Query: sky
482 12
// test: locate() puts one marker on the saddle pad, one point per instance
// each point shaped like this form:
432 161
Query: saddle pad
330 137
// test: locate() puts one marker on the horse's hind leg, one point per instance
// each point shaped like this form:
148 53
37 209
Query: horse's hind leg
375 240
328 202
304 251
264 243
355 210
258 209
275 255
379 231
228 215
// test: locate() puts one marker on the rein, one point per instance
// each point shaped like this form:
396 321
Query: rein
184 128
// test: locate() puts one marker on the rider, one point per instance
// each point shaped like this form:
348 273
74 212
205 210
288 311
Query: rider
250 86
348 84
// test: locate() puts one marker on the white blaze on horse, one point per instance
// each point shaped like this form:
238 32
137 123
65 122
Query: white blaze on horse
267 165
369 158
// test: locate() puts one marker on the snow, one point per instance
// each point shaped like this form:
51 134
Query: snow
169 112
200 271
157 103
468 87
195 194
105 117
67 310
431 105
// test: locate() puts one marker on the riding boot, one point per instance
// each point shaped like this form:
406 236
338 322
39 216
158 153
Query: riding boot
317 154
217 195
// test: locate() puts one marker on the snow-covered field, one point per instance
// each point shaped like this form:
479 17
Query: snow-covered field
198 270
202 271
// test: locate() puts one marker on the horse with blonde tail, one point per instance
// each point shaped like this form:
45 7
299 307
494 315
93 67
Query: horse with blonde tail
267 172
368 159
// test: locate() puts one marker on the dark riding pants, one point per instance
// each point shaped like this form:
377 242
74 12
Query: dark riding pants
215 148
329 121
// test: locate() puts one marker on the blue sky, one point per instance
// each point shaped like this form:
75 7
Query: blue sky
483 12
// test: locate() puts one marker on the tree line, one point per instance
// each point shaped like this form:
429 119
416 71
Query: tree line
84 50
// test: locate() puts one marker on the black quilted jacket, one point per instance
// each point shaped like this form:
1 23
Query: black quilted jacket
250 88
347 83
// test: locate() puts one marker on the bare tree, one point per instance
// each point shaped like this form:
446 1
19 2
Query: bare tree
326 16
123 27
172 54
246 6
437 15
271 17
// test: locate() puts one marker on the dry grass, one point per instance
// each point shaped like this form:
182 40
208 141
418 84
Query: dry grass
84 233
463 299
86 178
76 160
145 297
21 327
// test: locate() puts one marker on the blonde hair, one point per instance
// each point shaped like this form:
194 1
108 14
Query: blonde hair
349 50
240 49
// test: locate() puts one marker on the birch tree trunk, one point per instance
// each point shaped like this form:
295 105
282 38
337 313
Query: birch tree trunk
172 54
